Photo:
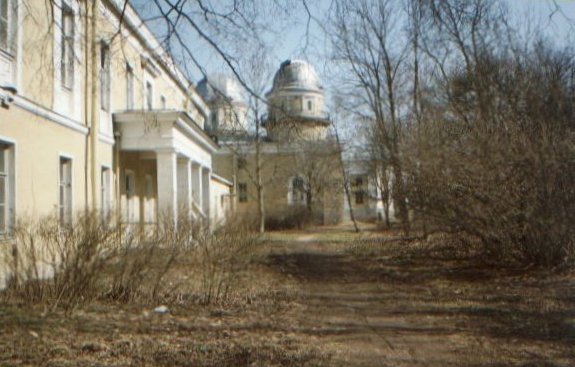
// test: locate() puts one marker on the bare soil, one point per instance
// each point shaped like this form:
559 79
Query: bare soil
324 298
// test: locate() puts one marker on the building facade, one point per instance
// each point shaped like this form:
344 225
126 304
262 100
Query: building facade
95 115
299 164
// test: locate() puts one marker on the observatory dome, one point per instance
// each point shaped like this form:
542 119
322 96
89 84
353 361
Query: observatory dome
296 74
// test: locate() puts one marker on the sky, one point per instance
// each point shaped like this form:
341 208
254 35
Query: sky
297 36
290 38
292 43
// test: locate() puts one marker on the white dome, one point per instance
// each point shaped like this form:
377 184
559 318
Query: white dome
218 86
296 74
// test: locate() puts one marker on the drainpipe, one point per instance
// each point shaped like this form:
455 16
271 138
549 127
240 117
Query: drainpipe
86 105
94 107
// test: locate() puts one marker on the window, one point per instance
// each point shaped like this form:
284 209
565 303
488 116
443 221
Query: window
105 76
163 102
6 188
309 105
7 15
129 87
67 47
242 192
149 96
359 197
359 181
214 118
65 202
242 163
297 191
106 192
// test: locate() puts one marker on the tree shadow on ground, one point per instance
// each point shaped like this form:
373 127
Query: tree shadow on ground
435 296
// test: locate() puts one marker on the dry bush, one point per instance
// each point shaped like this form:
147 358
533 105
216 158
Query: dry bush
495 159
143 260
65 266
59 265
297 217
221 256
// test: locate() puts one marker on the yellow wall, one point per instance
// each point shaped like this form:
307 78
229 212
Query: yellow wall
38 146
277 170
40 140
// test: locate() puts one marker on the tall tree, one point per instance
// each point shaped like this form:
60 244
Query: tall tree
367 40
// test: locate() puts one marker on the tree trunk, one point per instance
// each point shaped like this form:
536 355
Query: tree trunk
259 181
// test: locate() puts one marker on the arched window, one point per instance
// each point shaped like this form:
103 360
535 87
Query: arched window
297 191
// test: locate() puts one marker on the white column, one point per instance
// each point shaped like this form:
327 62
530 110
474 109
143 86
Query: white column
185 186
167 174
197 184
206 178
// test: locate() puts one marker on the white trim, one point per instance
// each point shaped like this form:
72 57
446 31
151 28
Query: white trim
38 110
11 220
200 139
7 140
222 180
105 138
110 198
65 155
71 159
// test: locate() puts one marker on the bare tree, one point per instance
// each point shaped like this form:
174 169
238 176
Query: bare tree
487 161
367 40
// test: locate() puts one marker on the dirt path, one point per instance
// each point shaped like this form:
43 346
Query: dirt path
420 308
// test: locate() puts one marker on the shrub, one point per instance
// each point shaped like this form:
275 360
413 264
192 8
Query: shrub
298 217
496 160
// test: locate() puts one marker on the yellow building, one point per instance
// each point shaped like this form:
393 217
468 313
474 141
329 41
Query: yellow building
95 115
300 166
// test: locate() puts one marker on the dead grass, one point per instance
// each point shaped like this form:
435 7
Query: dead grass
370 302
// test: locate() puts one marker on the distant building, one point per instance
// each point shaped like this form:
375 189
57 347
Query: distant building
368 187
300 163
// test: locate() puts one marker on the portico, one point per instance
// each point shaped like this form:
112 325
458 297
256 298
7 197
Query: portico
183 158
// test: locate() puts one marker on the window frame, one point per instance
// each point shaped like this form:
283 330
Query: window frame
359 197
67 43
5 19
129 87
105 76
149 97
7 197
242 192
106 192
65 190
297 193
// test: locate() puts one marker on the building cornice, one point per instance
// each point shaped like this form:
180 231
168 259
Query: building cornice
38 110
147 38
